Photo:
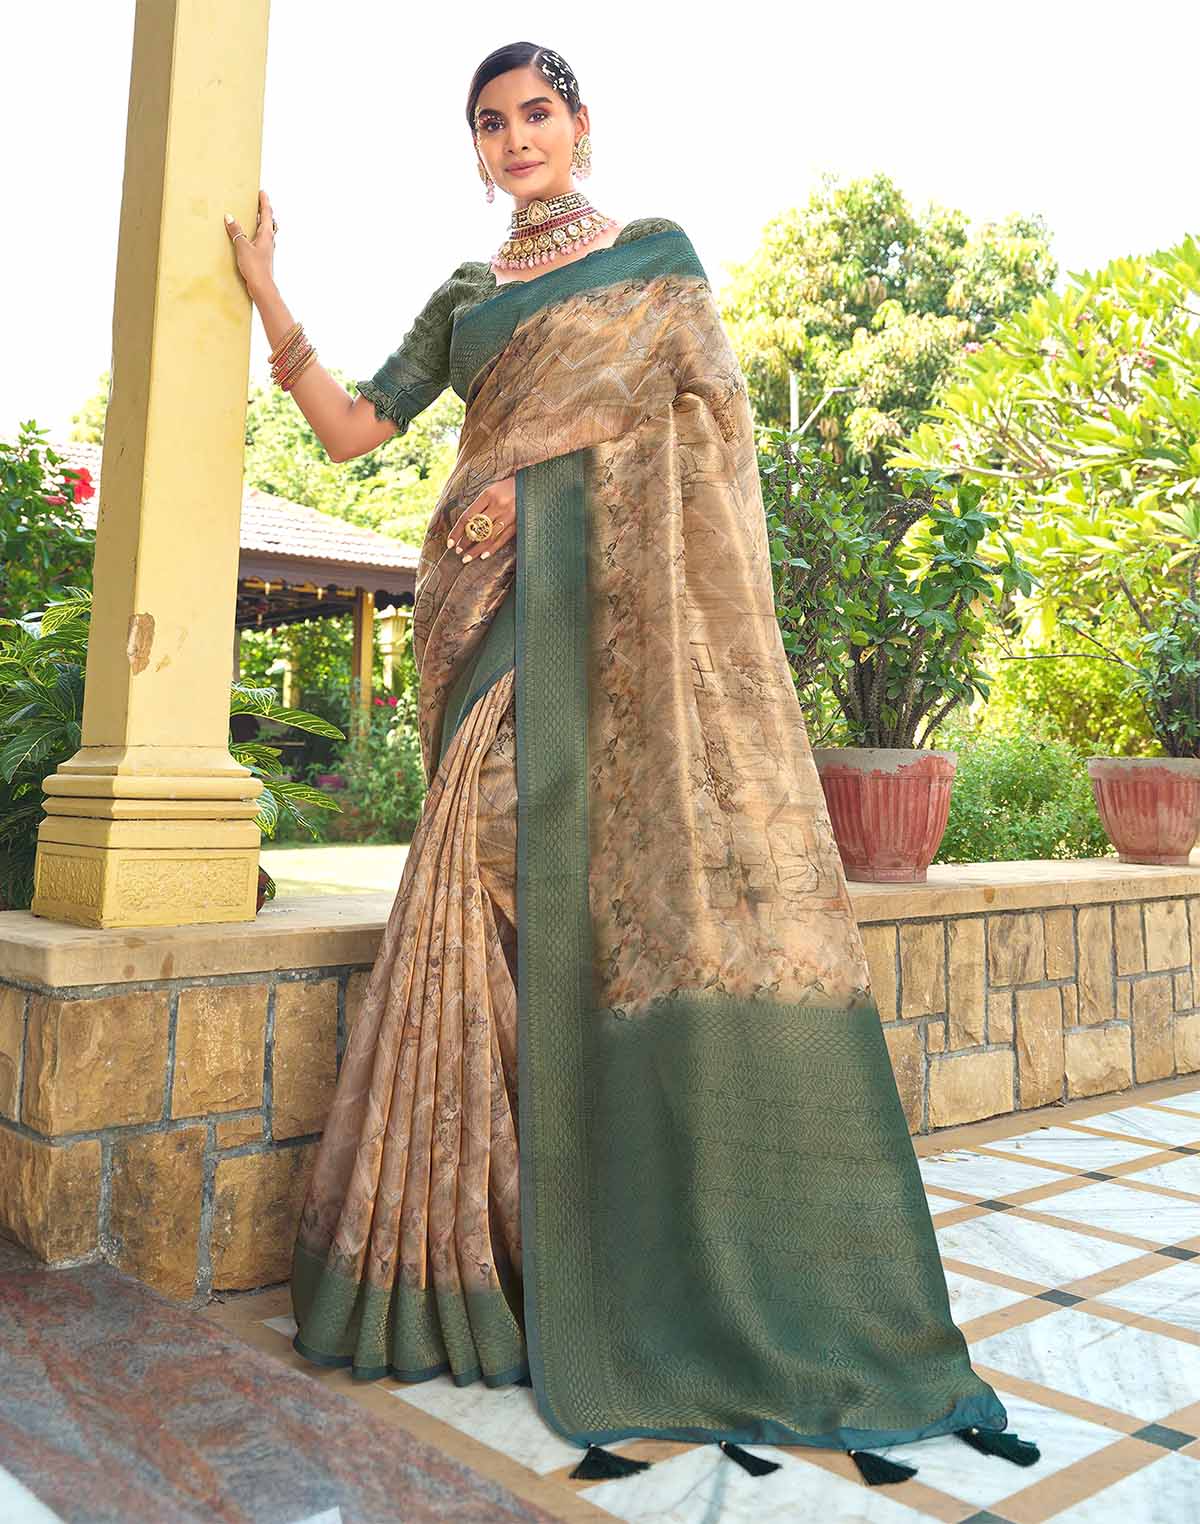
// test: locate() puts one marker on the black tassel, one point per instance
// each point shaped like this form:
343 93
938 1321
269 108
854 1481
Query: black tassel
1010 1447
756 1465
599 1465
877 1472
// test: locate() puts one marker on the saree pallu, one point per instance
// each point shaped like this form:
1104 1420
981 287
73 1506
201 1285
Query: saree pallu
705 1220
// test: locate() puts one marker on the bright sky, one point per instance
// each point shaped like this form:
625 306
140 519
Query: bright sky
718 121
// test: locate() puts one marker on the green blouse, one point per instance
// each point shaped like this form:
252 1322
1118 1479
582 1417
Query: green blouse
418 372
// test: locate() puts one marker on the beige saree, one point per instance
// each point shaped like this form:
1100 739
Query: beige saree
616 1116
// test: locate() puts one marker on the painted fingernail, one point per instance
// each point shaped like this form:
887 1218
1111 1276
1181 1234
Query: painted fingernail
466 559
450 541
485 555
228 216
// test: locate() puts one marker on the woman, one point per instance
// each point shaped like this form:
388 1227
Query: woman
623 910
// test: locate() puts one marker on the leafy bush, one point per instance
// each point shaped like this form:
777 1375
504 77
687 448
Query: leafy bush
1023 794
43 544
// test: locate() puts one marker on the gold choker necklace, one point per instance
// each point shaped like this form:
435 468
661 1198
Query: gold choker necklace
543 230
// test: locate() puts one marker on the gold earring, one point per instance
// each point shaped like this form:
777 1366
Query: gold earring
487 180
581 157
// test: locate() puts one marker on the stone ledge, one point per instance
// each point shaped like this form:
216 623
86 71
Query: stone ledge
328 930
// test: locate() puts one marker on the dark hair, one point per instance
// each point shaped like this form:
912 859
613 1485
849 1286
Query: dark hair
516 55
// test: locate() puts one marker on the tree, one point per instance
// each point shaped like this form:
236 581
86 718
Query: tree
870 304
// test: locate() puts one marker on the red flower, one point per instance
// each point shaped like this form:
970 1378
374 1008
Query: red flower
393 702
82 484
55 498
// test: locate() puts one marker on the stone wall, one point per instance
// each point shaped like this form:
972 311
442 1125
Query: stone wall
162 1090
1019 985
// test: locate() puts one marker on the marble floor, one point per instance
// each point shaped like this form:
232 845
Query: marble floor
1071 1241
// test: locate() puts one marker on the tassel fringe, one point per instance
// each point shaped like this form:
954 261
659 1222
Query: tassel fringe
756 1465
600 1465
1010 1447
877 1472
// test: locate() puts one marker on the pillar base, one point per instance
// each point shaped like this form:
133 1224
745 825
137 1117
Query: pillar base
147 886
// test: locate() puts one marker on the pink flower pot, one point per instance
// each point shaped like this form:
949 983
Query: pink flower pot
1150 806
888 806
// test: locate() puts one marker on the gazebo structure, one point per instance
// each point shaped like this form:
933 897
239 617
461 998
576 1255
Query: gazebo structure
295 563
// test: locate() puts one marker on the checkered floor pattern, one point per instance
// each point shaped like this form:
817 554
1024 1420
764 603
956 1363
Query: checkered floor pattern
1071 1243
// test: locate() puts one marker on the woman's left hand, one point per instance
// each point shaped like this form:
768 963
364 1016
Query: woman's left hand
499 502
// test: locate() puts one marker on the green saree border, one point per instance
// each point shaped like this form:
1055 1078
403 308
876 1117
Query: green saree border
595 1351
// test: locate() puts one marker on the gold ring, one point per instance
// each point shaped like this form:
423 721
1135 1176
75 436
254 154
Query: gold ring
480 527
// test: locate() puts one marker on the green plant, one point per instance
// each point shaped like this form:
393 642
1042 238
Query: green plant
1016 796
43 544
42 664
886 596
385 780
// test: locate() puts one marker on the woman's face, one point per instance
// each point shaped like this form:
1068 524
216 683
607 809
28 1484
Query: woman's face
520 119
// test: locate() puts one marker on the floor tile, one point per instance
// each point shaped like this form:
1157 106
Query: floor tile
943 1203
19 1506
1109 1204
1172 1294
505 1418
1077 1150
702 1486
1165 1492
980 1175
1188 1102
1031 1251
970 1298
1178 1175
1141 1122
285 1324
952 1466
1118 1366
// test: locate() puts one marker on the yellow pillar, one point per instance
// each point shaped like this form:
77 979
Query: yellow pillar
151 822
363 653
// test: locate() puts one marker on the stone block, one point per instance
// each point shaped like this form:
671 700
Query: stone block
969 1086
304 1066
356 988
1185 997
154 1216
1166 934
220 1040
908 1064
1039 1043
935 1037
1131 948
1099 1061
1187 1044
1000 1017
1058 926
12 1040
1153 1029
256 1212
50 1200
235 1131
95 1063
922 969
1097 996
1070 1004
879 943
1016 948
968 1001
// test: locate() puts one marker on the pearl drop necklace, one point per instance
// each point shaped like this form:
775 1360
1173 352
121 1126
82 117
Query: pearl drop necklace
544 230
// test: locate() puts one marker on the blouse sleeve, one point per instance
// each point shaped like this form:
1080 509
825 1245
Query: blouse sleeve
417 372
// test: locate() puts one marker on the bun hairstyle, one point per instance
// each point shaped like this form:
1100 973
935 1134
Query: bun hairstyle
517 55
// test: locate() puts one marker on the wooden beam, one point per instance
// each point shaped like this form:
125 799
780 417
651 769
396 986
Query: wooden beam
362 660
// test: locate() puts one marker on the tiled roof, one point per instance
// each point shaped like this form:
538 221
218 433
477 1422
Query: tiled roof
275 526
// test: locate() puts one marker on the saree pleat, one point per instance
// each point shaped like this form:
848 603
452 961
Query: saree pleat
417 1174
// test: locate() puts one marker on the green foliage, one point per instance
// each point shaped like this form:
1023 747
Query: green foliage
870 304
385 781
1019 794
44 548
884 597
1082 416
42 663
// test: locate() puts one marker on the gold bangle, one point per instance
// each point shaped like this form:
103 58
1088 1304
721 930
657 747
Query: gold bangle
285 379
293 349
290 361
300 369
284 342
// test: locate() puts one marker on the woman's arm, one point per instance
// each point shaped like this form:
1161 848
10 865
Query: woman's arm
346 426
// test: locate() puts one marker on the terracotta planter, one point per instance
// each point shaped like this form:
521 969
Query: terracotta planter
888 806
1150 806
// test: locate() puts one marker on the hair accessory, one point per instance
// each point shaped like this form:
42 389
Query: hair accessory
545 229
554 66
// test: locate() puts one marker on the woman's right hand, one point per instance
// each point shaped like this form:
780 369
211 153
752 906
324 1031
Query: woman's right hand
255 256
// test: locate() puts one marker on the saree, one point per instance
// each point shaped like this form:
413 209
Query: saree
616 1116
